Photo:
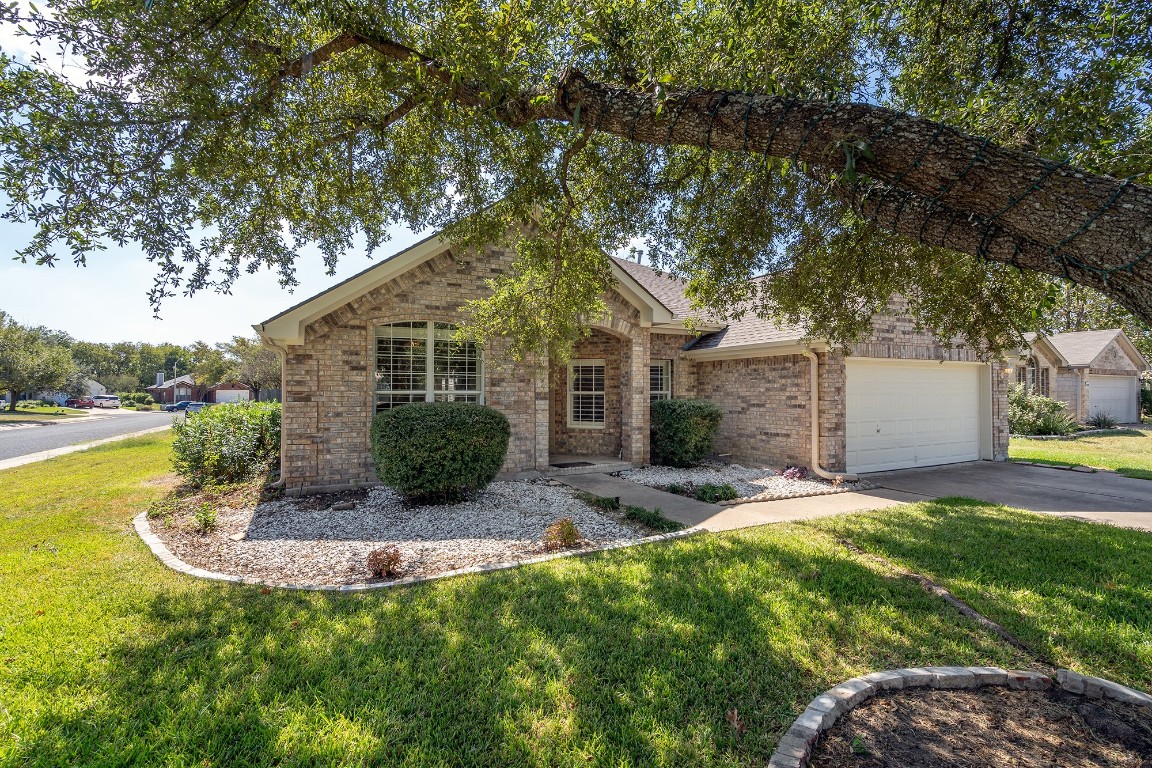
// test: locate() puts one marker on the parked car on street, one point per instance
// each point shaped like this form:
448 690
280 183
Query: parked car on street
178 406
106 401
195 407
79 402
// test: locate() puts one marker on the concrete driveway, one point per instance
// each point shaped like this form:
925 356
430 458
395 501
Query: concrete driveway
1100 496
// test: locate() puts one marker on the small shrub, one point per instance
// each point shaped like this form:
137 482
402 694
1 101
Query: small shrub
144 407
385 562
1101 420
204 518
1146 400
679 490
162 508
838 481
230 443
712 492
652 518
601 503
439 452
682 431
1033 414
127 398
796 473
562 534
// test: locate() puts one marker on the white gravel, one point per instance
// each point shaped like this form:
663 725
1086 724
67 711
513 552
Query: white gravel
298 541
752 483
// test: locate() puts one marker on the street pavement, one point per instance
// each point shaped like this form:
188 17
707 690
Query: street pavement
28 437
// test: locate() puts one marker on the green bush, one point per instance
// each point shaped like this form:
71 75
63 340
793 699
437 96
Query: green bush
1101 420
712 493
439 452
652 518
682 431
1146 400
1032 414
227 444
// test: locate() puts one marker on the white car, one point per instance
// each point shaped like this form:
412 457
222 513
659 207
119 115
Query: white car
105 401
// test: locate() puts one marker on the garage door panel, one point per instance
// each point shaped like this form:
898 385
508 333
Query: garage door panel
1113 395
910 414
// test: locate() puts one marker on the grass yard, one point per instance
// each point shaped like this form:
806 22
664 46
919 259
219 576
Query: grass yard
1126 451
632 657
40 413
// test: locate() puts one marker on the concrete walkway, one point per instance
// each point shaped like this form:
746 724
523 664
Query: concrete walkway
713 517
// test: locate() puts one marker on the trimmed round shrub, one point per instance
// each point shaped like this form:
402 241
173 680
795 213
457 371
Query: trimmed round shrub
439 452
682 431
227 443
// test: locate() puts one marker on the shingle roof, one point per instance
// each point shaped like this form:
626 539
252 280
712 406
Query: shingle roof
1080 347
185 379
748 330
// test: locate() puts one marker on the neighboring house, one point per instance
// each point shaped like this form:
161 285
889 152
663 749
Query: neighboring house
229 392
175 390
91 389
1091 371
385 337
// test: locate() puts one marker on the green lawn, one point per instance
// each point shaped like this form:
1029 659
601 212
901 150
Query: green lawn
40 413
1127 451
627 658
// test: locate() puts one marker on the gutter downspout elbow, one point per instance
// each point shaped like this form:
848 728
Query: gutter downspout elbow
814 420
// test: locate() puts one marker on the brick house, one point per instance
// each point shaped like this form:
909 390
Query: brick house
383 338
1091 371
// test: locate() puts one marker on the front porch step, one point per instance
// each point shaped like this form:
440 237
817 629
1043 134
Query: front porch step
599 467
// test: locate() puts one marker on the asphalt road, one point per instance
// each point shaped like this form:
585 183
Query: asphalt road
48 436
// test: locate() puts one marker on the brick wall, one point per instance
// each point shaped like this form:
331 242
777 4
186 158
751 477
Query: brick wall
1113 361
670 346
591 441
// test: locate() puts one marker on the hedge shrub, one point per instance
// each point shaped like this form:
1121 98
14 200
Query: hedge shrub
135 397
227 443
682 431
439 452
1032 414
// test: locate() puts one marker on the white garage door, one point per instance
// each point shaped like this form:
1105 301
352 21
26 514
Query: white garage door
907 414
231 395
1113 395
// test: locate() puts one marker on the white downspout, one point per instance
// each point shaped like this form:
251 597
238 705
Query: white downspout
814 388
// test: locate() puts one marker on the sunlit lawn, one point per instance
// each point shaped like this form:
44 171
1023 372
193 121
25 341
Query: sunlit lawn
1127 451
628 658
40 413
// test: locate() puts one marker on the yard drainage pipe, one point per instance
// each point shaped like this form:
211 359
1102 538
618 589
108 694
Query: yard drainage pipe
814 389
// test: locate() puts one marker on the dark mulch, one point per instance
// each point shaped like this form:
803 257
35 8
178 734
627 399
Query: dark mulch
988 727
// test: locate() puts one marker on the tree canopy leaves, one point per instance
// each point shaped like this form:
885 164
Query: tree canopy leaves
960 154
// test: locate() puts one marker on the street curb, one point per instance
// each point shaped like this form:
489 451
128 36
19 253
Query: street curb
166 556
32 458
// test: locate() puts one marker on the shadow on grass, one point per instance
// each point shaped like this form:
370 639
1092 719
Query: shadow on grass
631 657
1077 592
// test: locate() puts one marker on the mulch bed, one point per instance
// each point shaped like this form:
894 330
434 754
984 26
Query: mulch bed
988 727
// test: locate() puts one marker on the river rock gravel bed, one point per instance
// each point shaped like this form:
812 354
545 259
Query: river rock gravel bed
752 483
320 541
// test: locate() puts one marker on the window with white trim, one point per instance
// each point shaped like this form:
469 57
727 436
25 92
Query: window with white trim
586 393
1033 377
409 369
660 380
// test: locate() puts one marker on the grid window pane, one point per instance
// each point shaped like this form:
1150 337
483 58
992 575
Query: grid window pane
586 401
410 369
660 380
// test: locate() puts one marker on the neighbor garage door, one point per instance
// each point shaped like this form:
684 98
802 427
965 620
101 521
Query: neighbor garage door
912 414
1113 395
231 395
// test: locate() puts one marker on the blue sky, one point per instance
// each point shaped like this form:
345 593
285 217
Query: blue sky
107 300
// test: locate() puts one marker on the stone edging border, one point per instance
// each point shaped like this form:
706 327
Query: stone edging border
859 485
1075 435
160 549
795 747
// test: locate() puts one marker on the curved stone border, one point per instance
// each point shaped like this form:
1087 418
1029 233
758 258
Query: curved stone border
160 549
795 747
1082 433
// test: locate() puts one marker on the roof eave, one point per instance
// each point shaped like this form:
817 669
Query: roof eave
759 349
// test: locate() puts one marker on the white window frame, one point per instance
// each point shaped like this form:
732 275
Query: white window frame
429 390
603 393
666 392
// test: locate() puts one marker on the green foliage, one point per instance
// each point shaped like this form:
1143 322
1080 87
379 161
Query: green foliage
135 397
562 534
439 451
1101 420
652 518
682 431
713 492
204 519
228 443
601 503
32 360
1034 414
1146 399
1076 308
